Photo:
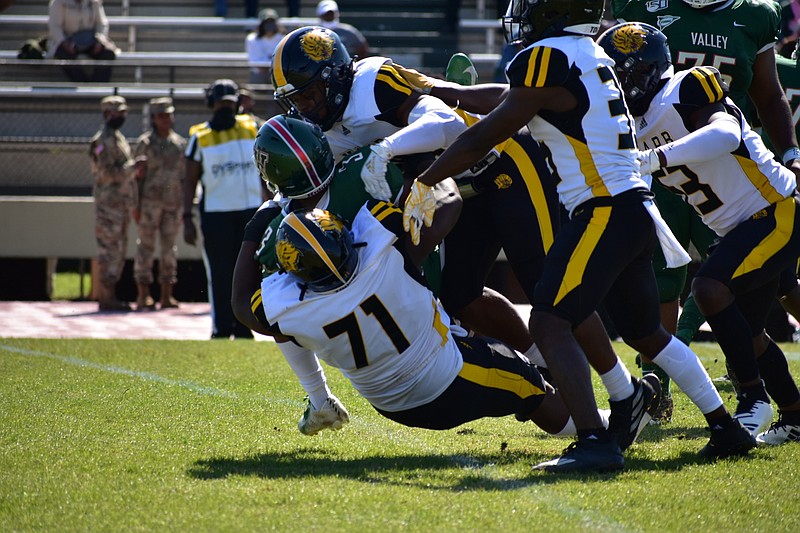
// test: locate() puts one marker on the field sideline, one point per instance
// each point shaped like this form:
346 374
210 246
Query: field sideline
161 435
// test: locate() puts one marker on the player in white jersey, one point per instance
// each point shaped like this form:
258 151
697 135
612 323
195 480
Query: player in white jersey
696 142
370 103
563 87
392 340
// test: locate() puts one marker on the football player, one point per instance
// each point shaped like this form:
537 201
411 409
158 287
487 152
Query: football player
369 102
392 340
696 142
737 38
562 85
295 160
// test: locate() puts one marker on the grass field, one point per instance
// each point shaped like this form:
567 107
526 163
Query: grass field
201 436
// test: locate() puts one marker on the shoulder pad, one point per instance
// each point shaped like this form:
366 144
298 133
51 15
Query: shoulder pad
388 214
539 66
391 91
702 86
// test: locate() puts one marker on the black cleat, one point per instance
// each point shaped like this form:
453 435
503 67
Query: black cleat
630 416
586 455
732 440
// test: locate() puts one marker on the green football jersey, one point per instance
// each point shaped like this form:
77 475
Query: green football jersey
728 39
344 197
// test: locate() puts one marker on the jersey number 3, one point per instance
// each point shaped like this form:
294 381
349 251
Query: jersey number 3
349 325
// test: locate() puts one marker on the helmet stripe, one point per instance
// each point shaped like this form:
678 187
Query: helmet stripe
297 150
277 65
296 224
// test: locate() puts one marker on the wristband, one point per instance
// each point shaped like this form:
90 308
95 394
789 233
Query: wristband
790 154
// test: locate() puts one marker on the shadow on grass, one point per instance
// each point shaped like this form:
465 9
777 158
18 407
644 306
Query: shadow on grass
460 472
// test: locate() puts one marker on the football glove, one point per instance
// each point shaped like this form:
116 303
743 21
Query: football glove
648 162
419 208
332 415
373 173
418 81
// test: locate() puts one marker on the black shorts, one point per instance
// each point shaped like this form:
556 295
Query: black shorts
518 212
494 381
604 254
757 250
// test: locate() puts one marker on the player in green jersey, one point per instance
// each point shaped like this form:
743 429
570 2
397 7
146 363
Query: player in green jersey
294 158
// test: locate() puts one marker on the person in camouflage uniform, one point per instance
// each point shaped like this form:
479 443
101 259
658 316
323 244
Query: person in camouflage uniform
114 195
159 209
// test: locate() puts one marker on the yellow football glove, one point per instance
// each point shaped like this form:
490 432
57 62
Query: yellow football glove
419 81
419 208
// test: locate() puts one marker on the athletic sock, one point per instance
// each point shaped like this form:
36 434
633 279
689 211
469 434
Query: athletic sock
777 378
618 382
685 369
733 336
535 356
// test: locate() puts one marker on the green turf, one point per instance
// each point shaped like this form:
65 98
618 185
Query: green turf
201 436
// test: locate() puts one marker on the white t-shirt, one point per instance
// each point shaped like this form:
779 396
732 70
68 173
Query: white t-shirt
260 50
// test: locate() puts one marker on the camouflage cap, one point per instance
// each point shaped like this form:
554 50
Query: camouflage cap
113 103
161 105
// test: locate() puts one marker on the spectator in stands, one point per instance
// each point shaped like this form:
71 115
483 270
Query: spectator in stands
250 8
261 44
220 156
158 211
114 195
80 27
354 40
247 106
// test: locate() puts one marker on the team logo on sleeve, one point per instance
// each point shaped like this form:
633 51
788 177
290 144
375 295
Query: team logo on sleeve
288 255
629 39
317 45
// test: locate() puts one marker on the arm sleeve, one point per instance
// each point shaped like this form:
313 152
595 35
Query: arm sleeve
721 136
306 367
432 126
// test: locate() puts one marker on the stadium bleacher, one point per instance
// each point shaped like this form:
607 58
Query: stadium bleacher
172 48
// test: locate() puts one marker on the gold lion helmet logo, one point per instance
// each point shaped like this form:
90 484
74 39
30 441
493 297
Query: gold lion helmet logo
317 45
629 39
288 255
326 222
503 181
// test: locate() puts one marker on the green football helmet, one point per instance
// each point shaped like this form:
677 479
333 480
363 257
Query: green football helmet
527 21
315 246
293 156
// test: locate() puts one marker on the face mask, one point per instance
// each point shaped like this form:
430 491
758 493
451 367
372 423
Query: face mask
116 122
329 24
224 118
269 27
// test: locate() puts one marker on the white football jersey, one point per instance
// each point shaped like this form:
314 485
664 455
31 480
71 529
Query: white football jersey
359 126
384 330
592 147
725 190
